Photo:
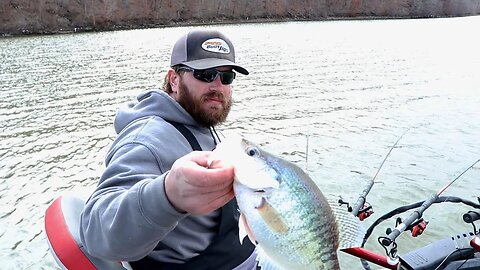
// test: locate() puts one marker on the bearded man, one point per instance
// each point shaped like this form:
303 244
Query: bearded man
158 204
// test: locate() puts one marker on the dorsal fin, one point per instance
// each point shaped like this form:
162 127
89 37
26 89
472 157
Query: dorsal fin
350 230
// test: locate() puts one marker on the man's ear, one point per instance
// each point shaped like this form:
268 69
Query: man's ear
173 80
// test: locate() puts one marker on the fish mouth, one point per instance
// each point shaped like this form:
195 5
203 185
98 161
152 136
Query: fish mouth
264 190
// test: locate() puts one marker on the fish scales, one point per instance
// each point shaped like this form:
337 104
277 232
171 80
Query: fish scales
286 213
312 238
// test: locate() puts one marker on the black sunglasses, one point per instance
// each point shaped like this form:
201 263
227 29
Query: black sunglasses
211 74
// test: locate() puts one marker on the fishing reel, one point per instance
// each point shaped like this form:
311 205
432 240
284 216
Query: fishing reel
365 212
416 228
362 213
471 217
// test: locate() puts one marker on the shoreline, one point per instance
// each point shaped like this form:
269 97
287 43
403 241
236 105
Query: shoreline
124 27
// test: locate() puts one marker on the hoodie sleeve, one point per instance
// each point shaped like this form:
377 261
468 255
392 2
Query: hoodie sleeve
129 213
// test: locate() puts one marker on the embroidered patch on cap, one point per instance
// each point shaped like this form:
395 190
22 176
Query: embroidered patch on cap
216 45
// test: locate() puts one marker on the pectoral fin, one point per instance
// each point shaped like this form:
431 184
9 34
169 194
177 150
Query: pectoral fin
271 217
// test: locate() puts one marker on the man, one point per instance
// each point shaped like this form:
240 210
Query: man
158 204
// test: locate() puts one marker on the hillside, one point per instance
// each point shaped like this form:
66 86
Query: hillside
54 16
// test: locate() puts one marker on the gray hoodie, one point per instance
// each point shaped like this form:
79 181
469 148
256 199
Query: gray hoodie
128 214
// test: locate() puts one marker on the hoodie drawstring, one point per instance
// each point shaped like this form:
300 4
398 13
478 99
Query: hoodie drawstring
212 128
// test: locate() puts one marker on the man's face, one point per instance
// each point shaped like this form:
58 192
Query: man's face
207 102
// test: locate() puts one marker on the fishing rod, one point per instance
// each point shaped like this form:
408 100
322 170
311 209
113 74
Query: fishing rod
359 205
427 256
417 214
306 154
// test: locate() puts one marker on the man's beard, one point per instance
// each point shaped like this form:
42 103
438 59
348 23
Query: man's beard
203 117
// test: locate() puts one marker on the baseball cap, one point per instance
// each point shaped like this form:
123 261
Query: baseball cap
204 49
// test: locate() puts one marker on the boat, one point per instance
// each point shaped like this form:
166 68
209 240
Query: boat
62 227
459 251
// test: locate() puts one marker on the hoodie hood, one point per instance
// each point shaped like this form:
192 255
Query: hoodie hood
153 102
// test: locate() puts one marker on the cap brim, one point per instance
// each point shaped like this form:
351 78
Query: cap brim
207 63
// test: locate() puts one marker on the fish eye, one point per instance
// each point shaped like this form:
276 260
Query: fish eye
252 151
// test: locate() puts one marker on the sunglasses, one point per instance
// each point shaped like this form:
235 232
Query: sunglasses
211 74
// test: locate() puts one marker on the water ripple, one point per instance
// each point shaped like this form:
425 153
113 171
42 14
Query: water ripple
350 88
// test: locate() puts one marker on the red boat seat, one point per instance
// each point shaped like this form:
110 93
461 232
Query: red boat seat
62 224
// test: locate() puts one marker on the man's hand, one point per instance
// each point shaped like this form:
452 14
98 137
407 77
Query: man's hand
197 187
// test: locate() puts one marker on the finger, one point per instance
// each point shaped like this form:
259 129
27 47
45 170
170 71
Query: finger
221 200
216 163
209 182
220 177
207 177
200 158
207 159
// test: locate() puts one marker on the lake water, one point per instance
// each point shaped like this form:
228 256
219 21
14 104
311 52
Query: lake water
351 87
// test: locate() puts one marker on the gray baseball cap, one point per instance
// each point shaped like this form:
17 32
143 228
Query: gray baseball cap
203 49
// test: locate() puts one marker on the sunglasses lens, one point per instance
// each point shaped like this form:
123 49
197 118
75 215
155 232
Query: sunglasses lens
209 75
227 77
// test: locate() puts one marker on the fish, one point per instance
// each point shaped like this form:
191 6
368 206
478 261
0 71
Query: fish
283 212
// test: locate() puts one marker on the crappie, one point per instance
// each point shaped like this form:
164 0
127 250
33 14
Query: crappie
284 212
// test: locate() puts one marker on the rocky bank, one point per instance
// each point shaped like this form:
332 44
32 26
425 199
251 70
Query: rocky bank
55 16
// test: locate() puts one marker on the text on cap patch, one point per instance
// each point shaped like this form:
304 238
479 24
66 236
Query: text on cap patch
216 45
